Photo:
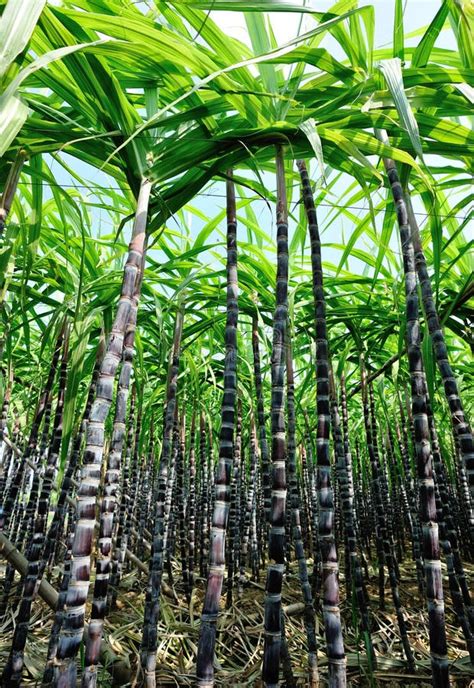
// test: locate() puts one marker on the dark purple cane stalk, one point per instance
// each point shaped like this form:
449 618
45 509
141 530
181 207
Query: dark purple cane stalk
331 613
135 464
380 513
149 642
460 424
57 624
404 501
8 580
442 507
365 519
394 496
243 486
7 467
215 577
131 496
6 470
338 529
191 510
343 453
309 621
37 556
57 526
276 542
249 507
389 492
409 488
307 451
409 498
344 472
170 499
28 521
235 510
212 472
109 498
204 498
181 503
10 498
314 517
4 465
449 535
124 520
73 626
430 536
16 521
262 433
145 500
12 495
41 457
305 504
287 669
375 491
144 504
463 496
10 188
255 535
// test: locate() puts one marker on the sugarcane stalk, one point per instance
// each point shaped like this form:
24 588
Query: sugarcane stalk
344 457
424 463
73 626
330 568
262 433
110 496
276 541
309 619
381 516
191 510
249 508
236 495
149 641
458 418
204 498
215 577
9 500
37 556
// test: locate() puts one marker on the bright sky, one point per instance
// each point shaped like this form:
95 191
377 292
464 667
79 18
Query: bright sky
417 14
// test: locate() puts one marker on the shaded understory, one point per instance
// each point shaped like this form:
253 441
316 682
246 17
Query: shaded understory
240 638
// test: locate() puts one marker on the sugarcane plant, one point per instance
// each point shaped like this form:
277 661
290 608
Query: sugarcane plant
221 476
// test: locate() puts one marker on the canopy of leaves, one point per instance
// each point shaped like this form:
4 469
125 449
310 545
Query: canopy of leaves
100 93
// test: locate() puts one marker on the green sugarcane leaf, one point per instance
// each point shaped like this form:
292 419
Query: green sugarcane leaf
14 111
244 5
461 16
436 227
16 26
261 44
392 71
398 38
77 357
424 48
467 91
322 28
310 129
344 143
320 58
384 242
46 59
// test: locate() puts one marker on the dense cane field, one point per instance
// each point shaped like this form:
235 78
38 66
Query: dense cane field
236 375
